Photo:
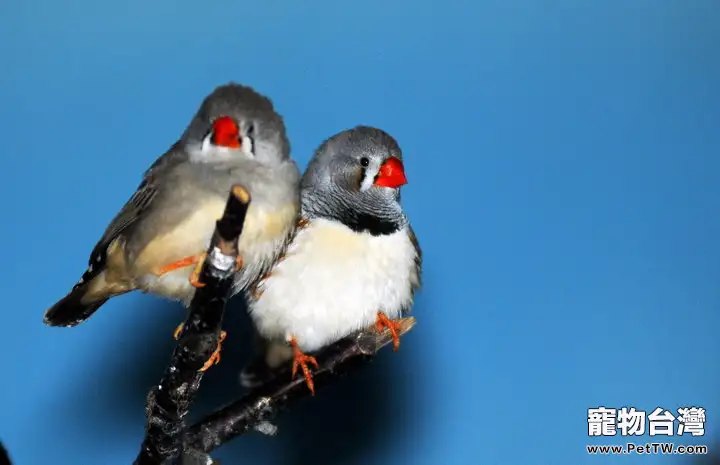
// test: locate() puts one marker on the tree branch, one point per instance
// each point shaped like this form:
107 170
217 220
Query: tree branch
255 409
4 456
169 402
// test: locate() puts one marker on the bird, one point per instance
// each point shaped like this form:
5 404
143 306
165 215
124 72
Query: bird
156 243
353 261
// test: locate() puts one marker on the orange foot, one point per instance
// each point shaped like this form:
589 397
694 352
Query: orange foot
384 322
302 360
196 260
215 357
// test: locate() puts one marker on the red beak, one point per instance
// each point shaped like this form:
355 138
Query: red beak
391 174
226 133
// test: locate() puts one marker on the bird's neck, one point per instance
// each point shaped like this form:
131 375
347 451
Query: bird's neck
377 216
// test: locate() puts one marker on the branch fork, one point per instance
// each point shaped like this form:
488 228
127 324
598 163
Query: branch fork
167 437
169 402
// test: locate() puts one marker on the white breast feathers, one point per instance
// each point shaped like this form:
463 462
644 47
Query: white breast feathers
332 282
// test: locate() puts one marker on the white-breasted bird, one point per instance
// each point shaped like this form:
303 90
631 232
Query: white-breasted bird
158 238
353 261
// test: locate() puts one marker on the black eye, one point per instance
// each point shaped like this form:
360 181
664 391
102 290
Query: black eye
364 161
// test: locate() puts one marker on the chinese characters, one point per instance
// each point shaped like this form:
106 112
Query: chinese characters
603 421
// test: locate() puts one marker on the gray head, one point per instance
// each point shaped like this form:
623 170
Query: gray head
236 121
355 178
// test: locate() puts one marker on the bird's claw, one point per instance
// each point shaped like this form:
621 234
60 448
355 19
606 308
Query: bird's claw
195 275
197 260
301 360
214 358
384 322
178 331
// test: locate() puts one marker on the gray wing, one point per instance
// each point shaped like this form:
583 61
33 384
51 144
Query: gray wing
138 203
418 261
416 278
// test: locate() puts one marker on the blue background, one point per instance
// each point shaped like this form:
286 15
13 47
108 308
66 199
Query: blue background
563 161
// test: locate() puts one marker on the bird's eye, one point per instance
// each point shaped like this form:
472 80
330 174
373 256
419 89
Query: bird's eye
364 161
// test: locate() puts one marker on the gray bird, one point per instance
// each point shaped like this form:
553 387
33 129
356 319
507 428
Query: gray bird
160 235
353 261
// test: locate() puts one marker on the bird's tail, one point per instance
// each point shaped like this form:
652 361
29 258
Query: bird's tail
85 298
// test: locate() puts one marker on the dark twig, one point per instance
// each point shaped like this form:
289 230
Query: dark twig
4 456
263 403
169 402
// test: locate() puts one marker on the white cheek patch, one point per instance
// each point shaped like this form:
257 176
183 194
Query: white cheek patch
207 152
370 172
247 146
206 144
